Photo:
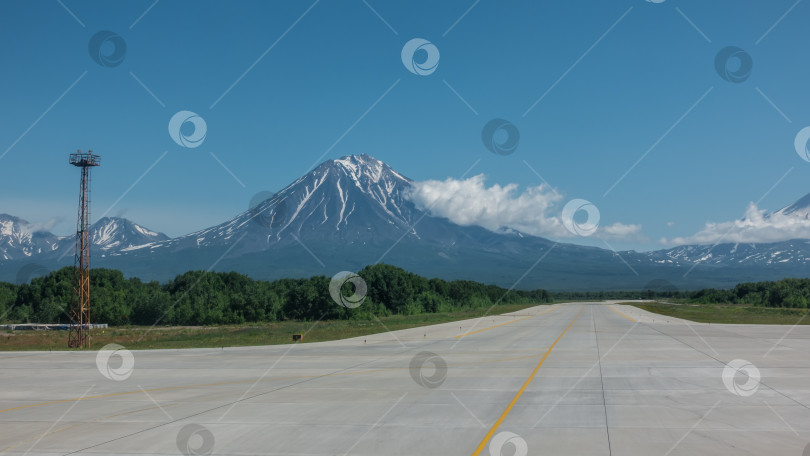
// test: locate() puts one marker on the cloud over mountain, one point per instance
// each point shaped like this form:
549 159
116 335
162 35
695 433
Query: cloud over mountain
534 211
757 226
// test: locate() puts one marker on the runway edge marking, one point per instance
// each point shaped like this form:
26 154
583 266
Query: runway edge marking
623 315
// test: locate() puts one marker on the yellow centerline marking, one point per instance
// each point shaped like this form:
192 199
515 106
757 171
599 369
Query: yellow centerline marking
623 315
497 424
268 379
504 324
237 382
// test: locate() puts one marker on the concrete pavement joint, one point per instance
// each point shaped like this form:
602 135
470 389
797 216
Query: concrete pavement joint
509 407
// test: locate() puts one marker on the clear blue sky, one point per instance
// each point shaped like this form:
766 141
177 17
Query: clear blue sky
339 58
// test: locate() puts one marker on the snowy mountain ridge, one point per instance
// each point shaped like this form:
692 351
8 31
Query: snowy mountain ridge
114 233
19 239
353 211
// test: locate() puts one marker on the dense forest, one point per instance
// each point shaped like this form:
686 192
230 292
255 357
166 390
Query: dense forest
210 298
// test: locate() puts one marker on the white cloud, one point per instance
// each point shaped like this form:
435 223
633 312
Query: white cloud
47 225
620 231
756 226
535 210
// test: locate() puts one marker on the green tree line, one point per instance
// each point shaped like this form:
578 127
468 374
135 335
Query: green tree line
211 298
794 293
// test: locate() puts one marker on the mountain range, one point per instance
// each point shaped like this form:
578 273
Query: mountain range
354 211
110 234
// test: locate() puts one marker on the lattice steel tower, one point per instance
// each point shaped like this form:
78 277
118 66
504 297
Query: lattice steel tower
79 333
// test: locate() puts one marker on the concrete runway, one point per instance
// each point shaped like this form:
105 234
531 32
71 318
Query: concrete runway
570 379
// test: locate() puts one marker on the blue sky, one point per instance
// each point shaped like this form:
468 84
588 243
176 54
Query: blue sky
281 84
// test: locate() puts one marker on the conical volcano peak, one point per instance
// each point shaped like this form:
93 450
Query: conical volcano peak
358 160
365 166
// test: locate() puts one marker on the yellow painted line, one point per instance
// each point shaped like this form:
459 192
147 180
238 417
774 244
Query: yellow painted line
237 382
623 315
497 424
504 324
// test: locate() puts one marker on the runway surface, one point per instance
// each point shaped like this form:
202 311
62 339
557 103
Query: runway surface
569 379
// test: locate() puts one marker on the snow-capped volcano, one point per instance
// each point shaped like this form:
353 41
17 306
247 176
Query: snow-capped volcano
343 198
354 200
353 211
